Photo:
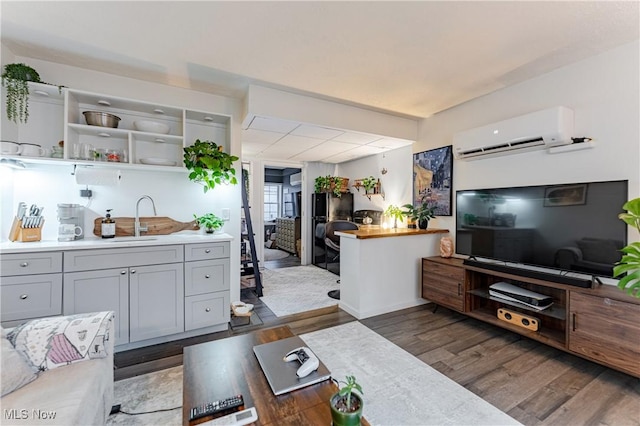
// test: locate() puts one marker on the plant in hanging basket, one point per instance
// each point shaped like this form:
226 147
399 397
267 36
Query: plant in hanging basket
209 165
15 79
335 184
346 405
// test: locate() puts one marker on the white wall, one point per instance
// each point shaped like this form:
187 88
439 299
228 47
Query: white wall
175 196
604 93
396 184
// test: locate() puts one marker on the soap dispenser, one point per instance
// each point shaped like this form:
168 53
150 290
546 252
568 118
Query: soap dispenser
108 226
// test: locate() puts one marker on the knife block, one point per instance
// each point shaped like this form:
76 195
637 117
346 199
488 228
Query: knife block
25 235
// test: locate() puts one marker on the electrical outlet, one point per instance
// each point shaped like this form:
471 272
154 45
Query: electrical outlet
86 193
226 214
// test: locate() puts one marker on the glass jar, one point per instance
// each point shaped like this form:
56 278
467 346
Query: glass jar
114 156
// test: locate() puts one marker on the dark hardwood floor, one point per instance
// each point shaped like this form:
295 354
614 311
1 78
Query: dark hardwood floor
532 382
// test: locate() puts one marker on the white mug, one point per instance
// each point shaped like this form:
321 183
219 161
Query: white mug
68 231
9 147
31 150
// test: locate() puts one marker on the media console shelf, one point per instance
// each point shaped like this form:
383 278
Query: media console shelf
601 324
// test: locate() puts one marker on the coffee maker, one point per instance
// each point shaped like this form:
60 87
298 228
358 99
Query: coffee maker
71 218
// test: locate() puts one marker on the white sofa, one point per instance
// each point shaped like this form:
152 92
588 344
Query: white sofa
80 393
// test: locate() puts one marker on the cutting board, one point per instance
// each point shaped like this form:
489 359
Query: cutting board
157 226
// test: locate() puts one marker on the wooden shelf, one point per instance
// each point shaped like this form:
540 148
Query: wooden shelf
376 189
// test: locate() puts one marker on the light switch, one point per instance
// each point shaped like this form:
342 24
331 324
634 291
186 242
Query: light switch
226 214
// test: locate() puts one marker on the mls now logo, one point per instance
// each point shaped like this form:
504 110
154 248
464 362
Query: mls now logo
23 414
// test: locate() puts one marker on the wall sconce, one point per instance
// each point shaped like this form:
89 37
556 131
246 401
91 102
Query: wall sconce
12 163
383 171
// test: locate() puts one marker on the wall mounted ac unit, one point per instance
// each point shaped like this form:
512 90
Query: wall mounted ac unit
538 130
295 179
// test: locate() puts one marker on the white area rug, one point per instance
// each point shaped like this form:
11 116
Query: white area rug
154 391
274 254
399 389
288 291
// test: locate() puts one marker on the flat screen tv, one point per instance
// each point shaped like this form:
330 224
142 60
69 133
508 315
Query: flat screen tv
554 229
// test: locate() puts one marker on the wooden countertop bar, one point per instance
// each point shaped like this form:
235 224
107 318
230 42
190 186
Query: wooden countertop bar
365 233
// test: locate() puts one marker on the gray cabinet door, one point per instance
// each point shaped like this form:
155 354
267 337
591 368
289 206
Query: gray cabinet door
157 301
104 290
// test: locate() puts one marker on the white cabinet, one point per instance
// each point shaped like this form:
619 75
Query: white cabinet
31 286
58 115
207 285
144 287
103 290
156 301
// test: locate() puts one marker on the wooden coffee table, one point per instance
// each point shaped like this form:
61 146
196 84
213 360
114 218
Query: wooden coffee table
222 368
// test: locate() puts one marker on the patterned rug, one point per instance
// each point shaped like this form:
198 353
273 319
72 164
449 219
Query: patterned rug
296 289
399 389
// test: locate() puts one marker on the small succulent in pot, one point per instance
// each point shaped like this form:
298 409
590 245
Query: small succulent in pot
346 405
210 222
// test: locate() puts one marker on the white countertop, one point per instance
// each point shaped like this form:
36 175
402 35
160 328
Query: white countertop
7 247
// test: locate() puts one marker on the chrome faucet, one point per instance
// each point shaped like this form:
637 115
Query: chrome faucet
136 224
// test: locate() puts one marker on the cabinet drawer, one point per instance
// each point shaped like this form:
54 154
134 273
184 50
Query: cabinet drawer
30 263
452 272
31 297
206 276
206 251
206 310
84 260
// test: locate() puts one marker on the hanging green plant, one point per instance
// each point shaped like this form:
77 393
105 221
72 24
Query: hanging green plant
15 79
209 165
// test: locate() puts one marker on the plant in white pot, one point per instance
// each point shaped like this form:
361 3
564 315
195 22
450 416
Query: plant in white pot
210 222
346 405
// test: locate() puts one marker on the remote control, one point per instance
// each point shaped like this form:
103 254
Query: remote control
216 407
239 418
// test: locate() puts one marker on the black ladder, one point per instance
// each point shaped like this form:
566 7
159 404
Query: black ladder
253 259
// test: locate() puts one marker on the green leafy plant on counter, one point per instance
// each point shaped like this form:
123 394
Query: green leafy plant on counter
421 214
346 405
209 221
395 213
629 265
209 165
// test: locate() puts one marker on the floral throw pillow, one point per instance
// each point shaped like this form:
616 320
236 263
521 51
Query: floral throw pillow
52 342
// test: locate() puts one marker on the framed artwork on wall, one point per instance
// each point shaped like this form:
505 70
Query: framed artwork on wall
433 179
566 195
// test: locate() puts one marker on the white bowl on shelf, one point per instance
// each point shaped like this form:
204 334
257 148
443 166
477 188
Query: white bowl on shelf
157 161
151 126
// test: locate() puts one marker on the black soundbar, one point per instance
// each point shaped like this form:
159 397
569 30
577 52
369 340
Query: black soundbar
546 276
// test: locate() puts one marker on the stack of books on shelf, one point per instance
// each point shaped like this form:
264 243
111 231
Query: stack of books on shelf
512 293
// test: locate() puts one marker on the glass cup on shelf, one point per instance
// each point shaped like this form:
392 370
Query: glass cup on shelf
114 156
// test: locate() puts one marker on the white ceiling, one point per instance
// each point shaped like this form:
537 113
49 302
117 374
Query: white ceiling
407 58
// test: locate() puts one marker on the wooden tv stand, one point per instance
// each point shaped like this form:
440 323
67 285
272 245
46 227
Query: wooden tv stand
601 324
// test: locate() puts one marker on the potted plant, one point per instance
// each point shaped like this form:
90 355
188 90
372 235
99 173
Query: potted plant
346 405
630 262
421 214
330 183
210 222
369 183
395 213
209 165
15 79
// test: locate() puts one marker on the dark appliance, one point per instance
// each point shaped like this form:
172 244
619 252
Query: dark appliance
544 231
324 208
360 215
